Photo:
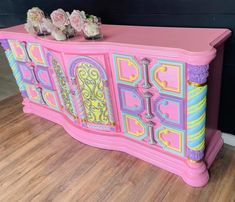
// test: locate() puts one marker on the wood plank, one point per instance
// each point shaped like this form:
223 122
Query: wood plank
39 161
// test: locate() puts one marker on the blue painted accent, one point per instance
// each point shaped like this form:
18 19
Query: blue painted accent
182 133
125 127
182 77
135 83
164 100
135 109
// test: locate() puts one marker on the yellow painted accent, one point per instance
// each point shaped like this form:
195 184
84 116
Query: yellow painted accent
166 131
197 93
196 84
196 135
193 161
16 44
191 92
195 122
163 68
138 133
89 91
130 63
32 47
200 146
197 106
51 104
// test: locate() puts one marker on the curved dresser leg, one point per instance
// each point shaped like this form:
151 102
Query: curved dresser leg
196 174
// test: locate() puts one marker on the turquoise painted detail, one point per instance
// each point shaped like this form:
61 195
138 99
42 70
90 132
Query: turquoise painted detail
21 46
181 78
181 133
15 70
32 57
128 133
196 118
165 116
132 59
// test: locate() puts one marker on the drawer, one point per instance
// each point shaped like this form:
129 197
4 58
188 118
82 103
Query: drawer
165 109
163 76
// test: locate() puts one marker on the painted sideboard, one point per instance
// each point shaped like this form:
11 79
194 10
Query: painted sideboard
141 90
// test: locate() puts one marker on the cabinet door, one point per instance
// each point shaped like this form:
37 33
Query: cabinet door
92 93
34 73
151 100
131 106
62 85
168 77
128 73
127 70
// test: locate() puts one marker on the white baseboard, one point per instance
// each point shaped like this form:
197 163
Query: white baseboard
229 139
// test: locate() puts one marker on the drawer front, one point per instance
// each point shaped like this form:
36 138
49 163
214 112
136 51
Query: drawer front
127 70
168 77
151 100
34 73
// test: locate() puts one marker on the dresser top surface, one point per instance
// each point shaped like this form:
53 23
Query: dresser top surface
189 39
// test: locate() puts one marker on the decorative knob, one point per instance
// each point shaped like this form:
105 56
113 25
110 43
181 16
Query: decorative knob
145 62
148 114
150 126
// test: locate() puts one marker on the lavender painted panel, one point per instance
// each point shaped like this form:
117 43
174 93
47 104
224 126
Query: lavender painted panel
26 72
89 61
198 73
164 101
122 89
43 77
4 44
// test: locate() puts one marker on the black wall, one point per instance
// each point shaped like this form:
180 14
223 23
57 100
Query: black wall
189 13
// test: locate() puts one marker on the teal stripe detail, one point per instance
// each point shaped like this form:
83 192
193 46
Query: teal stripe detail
15 70
195 120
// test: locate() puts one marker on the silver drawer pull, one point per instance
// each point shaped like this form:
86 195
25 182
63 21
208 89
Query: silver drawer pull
150 126
148 114
145 62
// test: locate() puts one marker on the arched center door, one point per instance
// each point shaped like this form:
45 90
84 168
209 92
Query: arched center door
92 93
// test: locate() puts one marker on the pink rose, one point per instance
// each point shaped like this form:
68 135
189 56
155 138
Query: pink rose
35 16
77 19
91 29
59 18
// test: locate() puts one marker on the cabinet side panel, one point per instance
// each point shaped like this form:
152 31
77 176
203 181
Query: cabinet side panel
214 87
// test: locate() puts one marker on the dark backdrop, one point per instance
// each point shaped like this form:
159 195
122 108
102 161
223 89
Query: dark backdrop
190 13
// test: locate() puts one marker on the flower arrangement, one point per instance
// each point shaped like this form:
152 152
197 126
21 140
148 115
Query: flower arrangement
35 18
62 25
89 24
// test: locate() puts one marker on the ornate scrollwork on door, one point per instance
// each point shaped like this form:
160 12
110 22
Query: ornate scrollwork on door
63 87
93 92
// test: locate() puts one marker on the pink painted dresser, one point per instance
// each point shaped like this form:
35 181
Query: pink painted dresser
151 92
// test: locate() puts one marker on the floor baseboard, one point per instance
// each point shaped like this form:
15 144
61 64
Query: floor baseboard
229 139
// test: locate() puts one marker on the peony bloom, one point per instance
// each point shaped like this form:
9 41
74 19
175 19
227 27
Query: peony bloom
60 18
35 16
77 19
91 29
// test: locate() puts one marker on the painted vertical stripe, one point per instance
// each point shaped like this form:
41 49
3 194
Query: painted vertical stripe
15 70
196 118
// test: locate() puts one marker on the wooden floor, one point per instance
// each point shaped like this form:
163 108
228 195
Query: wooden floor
39 161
